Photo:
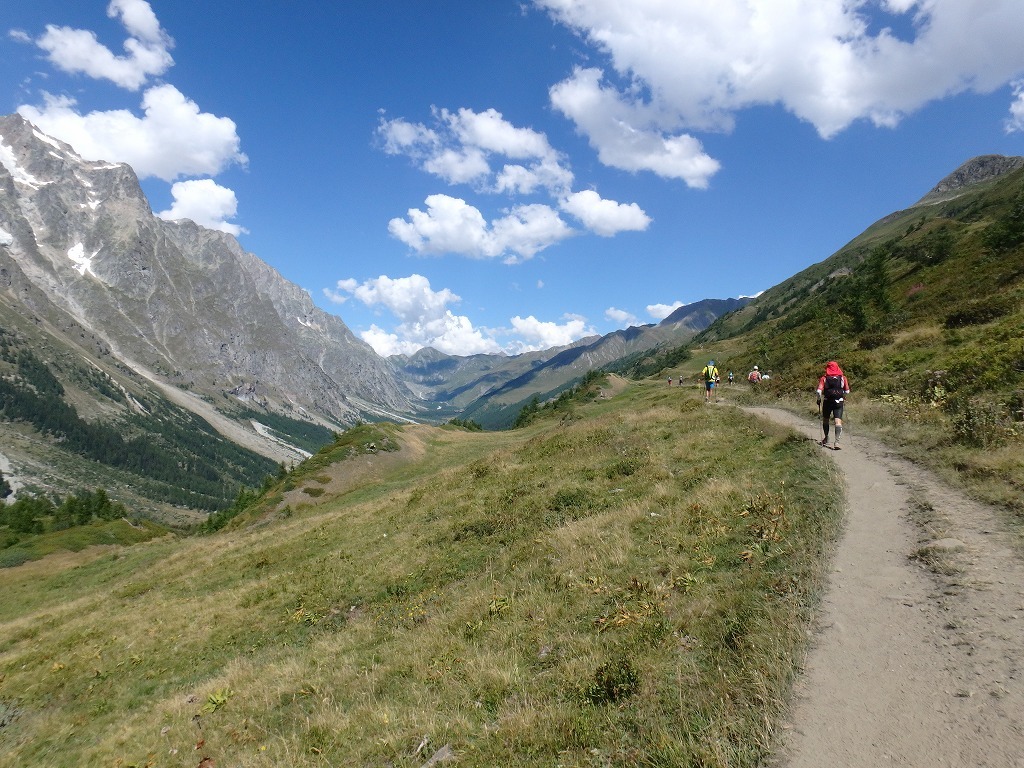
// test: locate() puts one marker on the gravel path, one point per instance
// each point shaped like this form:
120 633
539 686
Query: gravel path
918 655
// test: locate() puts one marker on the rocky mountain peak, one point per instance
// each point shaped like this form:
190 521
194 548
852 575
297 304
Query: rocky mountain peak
974 171
183 304
36 160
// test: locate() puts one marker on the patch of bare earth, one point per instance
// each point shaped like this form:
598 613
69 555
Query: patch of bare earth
616 384
345 476
917 658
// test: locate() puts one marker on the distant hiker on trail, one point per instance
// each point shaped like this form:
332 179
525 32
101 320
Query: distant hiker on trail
710 374
670 381
729 377
754 376
832 391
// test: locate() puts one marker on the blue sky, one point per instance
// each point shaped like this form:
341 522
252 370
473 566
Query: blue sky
517 174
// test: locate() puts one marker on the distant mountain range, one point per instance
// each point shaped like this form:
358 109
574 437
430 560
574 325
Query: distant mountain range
180 304
127 310
491 389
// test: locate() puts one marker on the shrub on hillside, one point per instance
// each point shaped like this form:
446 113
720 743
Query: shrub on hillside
932 248
978 424
613 681
1008 231
25 515
874 340
979 311
467 424
14 557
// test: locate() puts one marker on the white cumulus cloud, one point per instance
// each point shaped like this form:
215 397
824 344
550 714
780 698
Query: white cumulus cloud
205 202
690 65
460 147
1016 120
458 166
173 138
425 319
491 132
528 230
423 314
451 225
545 174
493 156
661 311
342 291
605 217
79 51
539 334
627 138
621 317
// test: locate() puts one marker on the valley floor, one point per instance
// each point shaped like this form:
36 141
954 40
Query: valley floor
917 655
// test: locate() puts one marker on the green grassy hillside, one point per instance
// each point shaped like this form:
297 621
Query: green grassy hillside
925 313
624 581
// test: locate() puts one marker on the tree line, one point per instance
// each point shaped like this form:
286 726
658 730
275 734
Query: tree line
38 513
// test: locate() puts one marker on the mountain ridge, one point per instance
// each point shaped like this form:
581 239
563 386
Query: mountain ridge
186 303
977 170
491 389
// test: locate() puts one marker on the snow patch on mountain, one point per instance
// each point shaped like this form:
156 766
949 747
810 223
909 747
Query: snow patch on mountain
10 162
82 262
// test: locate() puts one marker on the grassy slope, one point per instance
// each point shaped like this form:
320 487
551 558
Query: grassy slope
626 583
99 533
929 326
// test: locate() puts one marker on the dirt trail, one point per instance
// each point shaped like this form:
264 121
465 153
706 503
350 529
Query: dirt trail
910 664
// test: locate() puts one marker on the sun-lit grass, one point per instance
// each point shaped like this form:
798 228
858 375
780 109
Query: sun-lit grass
628 587
921 432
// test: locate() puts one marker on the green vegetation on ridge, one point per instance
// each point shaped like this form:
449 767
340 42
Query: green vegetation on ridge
32 527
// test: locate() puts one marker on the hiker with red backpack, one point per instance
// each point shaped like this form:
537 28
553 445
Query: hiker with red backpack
832 391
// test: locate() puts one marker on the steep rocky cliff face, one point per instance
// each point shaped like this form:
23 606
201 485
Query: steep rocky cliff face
184 305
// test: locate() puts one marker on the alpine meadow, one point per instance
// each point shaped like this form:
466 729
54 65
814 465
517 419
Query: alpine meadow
627 576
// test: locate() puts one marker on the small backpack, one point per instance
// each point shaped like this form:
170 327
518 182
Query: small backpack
834 388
